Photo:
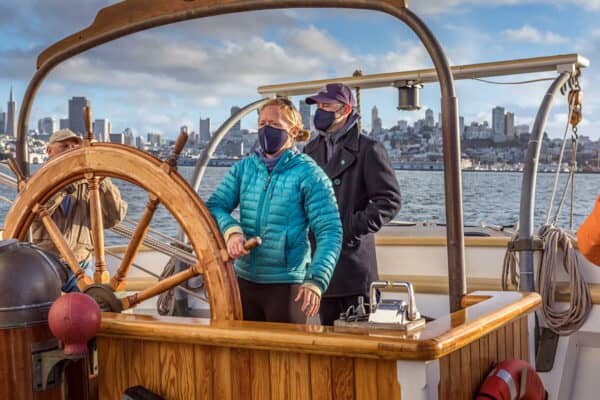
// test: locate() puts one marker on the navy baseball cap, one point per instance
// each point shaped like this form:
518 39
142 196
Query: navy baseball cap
333 92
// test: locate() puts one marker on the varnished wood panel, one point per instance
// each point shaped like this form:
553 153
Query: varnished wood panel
222 378
279 375
240 367
462 372
177 365
260 374
204 367
475 364
342 371
144 353
365 375
320 376
466 382
113 368
456 388
501 343
299 376
15 364
387 380
213 372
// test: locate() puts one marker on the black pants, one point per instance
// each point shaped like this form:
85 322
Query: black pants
273 302
332 307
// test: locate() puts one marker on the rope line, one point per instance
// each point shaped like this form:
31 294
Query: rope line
561 320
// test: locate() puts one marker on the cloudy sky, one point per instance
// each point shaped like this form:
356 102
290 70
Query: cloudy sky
161 79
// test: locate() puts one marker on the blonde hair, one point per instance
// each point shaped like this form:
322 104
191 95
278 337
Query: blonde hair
291 115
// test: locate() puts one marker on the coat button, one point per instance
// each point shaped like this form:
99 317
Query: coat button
337 182
343 162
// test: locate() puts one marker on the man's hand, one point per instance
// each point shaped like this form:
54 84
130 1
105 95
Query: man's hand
311 303
235 245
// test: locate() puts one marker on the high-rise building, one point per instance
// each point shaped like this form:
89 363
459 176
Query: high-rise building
498 121
204 129
129 139
140 142
155 139
509 125
375 121
403 125
63 123
102 128
11 115
461 125
76 105
2 123
304 109
46 126
429 120
236 130
521 129
118 138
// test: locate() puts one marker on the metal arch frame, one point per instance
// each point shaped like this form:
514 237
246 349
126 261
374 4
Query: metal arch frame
132 16
528 186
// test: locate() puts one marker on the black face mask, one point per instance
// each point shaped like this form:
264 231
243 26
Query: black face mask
323 119
271 139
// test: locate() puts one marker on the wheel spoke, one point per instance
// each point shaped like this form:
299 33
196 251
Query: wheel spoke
63 247
97 228
117 283
162 286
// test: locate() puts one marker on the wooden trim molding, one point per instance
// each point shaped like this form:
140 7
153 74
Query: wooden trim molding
381 240
437 339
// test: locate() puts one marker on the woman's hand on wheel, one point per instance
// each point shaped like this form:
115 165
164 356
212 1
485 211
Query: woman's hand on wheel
311 303
235 245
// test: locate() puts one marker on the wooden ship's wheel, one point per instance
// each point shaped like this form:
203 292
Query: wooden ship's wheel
93 161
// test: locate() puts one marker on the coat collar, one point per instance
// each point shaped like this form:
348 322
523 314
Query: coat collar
342 159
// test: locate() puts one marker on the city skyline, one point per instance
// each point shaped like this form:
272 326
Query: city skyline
502 123
160 79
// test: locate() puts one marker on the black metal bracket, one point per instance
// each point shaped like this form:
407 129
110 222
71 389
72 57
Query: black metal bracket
546 350
535 244
48 362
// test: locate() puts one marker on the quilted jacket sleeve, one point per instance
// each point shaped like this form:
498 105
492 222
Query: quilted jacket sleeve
588 235
226 198
324 221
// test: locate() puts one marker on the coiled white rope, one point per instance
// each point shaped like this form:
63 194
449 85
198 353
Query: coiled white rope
560 319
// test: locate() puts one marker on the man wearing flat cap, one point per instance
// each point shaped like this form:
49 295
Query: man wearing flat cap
70 211
366 189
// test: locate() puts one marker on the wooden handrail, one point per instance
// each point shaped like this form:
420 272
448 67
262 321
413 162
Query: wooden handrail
437 339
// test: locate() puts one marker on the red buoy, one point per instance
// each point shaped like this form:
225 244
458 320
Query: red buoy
74 319
512 380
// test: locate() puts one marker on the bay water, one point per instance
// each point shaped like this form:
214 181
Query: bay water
488 197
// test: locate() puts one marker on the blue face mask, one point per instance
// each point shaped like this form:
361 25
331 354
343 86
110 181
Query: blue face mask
271 139
323 119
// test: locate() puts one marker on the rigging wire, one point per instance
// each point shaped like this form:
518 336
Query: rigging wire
512 83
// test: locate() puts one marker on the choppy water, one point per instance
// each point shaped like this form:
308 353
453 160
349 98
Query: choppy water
492 197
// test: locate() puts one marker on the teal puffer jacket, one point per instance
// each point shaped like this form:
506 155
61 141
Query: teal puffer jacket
281 207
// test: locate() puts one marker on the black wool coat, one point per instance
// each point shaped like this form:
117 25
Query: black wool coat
368 196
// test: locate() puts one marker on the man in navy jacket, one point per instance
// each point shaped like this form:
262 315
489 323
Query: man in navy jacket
366 190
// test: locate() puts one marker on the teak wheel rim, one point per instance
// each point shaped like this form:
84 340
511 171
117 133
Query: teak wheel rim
157 178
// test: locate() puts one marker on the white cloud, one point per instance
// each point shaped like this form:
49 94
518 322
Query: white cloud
437 7
530 34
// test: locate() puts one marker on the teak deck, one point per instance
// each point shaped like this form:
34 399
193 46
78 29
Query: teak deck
202 359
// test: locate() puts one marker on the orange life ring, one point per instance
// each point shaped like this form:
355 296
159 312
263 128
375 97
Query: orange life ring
512 380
